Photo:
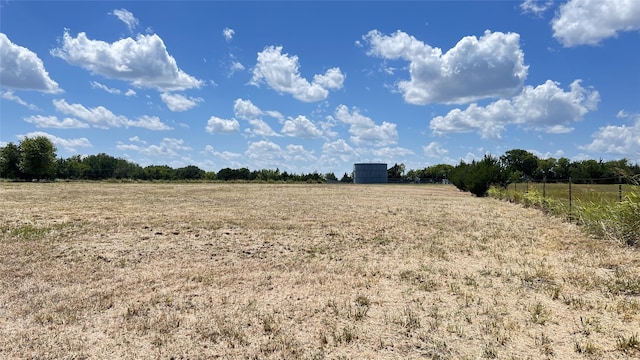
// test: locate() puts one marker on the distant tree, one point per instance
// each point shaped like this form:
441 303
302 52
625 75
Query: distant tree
330 176
561 169
437 173
346 178
72 168
38 158
10 162
99 167
545 169
190 172
210 175
396 172
478 176
158 172
520 161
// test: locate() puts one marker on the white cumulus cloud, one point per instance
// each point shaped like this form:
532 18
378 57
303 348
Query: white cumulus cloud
265 154
545 108
144 61
69 145
260 128
246 110
301 127
97 85
435 150
281 72
22 69
9 95
102 117
364 131
587 22
536 7
178 102
168 147
618 139
491 66
217 125
228 34
126 17
53 122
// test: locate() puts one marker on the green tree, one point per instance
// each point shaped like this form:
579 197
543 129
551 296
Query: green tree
346 178
520 161
190 172
38 158
330 176
396 172
478 176
10 162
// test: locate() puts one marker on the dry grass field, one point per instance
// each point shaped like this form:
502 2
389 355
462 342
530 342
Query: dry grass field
200 271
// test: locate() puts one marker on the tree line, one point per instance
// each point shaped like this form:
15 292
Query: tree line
35 159
520 166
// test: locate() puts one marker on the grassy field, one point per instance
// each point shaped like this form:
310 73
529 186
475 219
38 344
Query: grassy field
579 192
199 271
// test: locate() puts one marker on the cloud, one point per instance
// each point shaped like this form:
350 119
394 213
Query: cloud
364 131
545 108
9 95
126 17
149 122
390 154
246 110
228 34
97 85
434 150
337 147
168 147
297 153
620 140
265 153
130 92
217 125
22 69
337 153
260 128
69 145
281 73
178 102
143 62
225 155
587 22
489 67
102 117
536 7
301 127
53 122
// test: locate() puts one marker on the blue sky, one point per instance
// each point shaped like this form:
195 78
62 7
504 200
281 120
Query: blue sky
318 86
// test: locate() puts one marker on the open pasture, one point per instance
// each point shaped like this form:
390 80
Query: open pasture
585 193
199 271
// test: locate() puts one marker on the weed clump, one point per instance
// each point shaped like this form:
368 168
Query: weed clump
614 221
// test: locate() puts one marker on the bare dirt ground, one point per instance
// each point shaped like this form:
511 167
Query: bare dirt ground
199 271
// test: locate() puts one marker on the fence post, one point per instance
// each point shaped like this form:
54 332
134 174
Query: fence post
619 188
570 200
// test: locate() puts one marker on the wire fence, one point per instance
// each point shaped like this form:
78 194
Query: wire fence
570 193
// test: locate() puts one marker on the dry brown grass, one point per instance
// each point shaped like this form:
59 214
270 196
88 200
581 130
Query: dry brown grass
195 271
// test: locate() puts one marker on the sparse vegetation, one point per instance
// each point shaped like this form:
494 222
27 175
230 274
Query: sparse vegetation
146 271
